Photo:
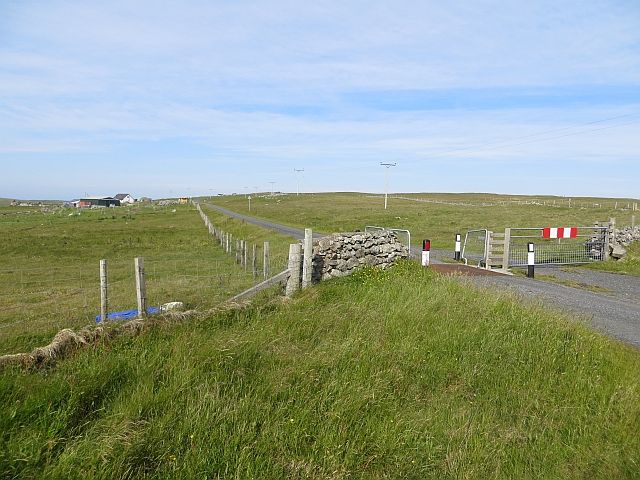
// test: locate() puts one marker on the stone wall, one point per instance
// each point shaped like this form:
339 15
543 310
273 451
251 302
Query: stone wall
623 238
339 254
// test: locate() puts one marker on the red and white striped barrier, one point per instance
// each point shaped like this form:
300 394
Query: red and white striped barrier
559 232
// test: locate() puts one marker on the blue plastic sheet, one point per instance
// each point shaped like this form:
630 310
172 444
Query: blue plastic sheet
126 314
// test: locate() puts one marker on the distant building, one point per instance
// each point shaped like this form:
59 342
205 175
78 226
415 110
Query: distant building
184 200
125 198
96 202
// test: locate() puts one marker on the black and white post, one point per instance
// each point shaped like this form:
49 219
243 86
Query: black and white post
531 260
426 252
456 254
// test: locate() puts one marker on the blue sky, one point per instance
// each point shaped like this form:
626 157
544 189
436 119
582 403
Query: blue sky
196 97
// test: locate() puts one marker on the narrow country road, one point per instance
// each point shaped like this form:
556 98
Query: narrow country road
615 310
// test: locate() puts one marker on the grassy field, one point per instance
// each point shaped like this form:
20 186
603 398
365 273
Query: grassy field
49 266
380 375
439 222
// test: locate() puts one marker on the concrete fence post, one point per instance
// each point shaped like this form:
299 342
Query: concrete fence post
265 260
141 291
307 263
293 283
104 291
612 229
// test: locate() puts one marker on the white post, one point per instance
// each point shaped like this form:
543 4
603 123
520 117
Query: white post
307 264
265 260
141 293
531 260
244 254
426 252
104 302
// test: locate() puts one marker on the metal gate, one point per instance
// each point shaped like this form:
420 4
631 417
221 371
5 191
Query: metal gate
474 249
591 244
487 249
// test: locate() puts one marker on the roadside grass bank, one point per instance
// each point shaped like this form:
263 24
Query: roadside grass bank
335 212
403 374
629 265
49 266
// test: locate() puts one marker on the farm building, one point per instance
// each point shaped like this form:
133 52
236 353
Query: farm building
183 200
97 202
125 198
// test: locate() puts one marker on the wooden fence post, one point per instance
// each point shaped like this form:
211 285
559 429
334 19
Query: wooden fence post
265 260
254 262
141 291
293 283
307 263
507 245
104 301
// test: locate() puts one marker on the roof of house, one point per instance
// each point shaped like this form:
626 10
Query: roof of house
121 196
98 198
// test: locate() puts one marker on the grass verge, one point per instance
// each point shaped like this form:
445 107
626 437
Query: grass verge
402 374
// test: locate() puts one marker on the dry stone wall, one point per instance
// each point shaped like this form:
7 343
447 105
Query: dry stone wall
339 254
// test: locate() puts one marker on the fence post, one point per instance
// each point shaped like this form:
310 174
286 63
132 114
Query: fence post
244 254
141 292
293 283
104 302
633 221
307 263
612 229
265 260
254 262
507 244
456 251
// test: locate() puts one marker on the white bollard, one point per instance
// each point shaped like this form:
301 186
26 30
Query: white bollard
426 251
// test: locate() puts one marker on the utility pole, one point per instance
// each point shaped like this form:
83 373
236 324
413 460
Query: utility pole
272 184
298 170
386 180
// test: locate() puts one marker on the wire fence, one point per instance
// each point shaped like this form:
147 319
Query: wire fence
41 301
621 205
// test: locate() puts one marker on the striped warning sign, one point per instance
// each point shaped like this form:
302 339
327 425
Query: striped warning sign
560 232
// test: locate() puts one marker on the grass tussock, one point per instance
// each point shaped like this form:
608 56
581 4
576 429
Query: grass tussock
381 375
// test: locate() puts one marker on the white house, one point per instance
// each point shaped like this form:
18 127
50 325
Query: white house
125 198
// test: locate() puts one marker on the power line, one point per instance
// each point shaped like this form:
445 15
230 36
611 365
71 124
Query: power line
508 143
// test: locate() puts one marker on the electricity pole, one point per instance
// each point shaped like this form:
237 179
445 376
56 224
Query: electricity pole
386 180
272 184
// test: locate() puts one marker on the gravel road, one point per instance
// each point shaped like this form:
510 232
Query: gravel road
616 311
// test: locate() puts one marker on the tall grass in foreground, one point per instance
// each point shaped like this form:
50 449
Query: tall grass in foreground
381 375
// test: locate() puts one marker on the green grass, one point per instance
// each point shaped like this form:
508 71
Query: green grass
380 375
333 212
629 265
49 275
